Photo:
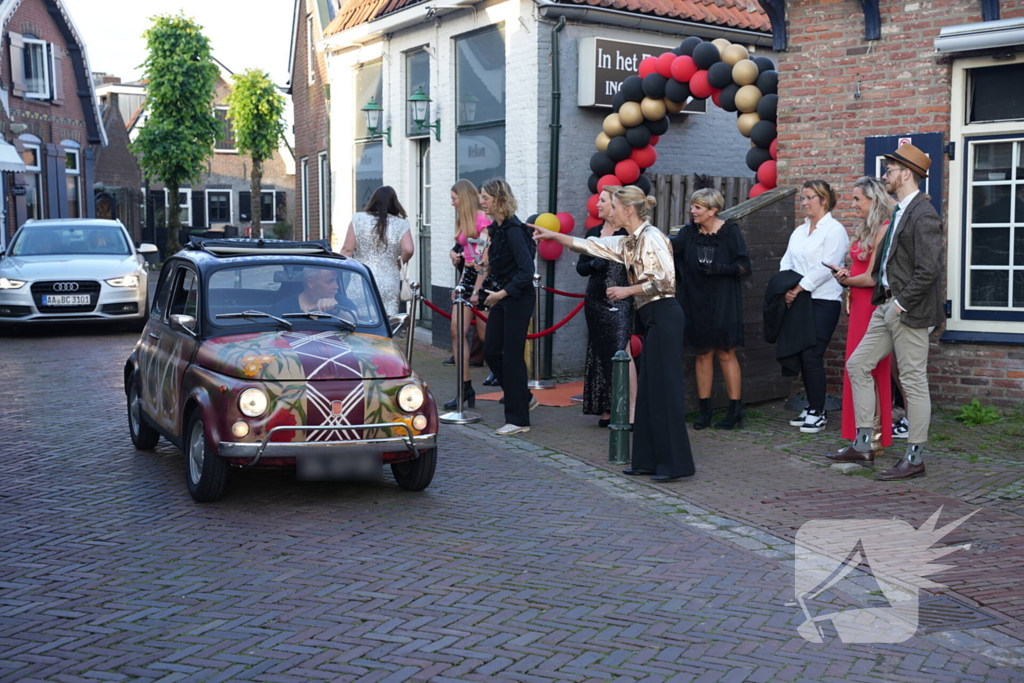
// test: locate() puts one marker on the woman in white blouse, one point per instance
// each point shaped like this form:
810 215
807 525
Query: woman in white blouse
820 240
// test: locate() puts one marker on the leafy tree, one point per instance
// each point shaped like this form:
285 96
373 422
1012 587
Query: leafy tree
255 107
181 128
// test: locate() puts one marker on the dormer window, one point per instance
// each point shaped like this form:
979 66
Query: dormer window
36 68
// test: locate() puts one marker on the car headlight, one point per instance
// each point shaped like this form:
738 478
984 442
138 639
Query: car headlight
126 281
6 283
253 402
410 397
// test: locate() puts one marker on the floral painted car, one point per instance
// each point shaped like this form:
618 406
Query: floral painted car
271 354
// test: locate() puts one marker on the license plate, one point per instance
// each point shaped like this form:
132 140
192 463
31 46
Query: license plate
347 465
66 300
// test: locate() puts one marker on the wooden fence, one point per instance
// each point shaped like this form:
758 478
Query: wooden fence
673 194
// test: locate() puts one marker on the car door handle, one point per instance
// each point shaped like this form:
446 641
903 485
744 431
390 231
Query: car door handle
154 335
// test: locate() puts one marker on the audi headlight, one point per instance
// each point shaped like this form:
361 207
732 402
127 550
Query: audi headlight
126 281
6 283
410 397
253 402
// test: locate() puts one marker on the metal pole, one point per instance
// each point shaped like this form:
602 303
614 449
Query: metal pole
618 440
556 128
459 416
537 382
414 287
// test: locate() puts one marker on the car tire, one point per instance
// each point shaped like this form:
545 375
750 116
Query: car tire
205 472
416 475
143 435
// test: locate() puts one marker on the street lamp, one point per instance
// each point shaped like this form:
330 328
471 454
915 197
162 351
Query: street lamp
373 112
419 106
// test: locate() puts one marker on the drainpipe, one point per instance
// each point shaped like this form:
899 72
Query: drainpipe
556 126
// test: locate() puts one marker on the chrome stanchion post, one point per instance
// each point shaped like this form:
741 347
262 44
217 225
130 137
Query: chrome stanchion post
414 287
618 435
537 382
459 416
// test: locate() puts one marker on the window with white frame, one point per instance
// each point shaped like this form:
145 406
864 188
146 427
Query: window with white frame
73 180
304 179
37 68
185 204
310 50
267 206
226 134
324 184
32 156
218 206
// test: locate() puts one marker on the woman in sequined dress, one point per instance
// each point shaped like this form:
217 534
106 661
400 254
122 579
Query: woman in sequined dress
379 237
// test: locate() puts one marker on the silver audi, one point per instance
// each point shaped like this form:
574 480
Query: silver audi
73 269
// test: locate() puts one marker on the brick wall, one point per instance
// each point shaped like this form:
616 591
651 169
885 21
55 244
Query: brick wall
116 166
311 122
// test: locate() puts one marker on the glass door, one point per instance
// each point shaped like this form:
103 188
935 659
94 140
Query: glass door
423 229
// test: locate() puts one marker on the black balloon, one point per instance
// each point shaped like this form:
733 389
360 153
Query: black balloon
767 107
654 86
764 64
706 54
618 100
639 136
619 148
644 183
592 182
677 51
658 127
727 100
533 219
763 133
720 75
755 157
687 46
768 82
633 89
602 164
676 91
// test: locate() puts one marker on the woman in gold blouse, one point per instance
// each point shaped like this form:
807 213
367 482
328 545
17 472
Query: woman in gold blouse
661 446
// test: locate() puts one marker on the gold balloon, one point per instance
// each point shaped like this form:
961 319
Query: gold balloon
630 114
673 107
746 122
721 44
602 142
744 72
548 221
734 53
747 98
613 126
654 110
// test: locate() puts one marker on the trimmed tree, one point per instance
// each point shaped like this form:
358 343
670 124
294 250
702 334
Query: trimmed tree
255 107
181 128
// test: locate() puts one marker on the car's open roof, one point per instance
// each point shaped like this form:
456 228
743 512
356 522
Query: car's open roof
245 246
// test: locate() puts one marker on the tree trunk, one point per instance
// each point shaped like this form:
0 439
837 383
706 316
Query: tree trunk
256 180
173 210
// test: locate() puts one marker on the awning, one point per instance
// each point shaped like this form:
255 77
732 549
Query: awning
985 35
10 160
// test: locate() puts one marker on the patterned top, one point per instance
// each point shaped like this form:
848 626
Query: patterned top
382 260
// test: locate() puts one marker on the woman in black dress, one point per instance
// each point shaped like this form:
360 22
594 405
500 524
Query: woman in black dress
608 330
711 257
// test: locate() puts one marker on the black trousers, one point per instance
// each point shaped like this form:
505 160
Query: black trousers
812 360
504 350
660 440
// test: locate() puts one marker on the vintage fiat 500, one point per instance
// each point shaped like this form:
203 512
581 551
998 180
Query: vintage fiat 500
277 354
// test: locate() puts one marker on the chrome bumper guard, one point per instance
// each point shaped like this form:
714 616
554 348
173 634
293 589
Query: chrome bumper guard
291 449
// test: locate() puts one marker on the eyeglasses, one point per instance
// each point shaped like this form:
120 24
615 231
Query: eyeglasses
808 198
892 170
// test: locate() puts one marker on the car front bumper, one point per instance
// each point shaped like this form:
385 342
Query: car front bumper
107 303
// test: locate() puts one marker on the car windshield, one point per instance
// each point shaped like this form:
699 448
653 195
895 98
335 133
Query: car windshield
284 290
58 240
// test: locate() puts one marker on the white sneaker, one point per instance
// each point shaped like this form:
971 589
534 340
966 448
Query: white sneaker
900 429
510 429
799 420
814 423
533 402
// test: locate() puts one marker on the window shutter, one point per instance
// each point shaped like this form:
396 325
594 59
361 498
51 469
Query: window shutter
17 64
56 74
244 207
280 206
199 209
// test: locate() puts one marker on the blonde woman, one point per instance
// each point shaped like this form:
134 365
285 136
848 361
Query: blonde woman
661 446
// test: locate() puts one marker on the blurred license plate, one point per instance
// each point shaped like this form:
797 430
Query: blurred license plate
66 300
349 466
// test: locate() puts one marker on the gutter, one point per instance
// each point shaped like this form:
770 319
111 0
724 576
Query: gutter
614 17
359 35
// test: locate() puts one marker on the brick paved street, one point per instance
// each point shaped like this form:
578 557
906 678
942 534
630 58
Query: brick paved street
526 560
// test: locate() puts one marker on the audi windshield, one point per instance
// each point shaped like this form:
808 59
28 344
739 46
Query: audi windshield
61 240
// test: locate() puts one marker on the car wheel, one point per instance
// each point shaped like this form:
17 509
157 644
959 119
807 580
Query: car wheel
143 435
205 472
416 475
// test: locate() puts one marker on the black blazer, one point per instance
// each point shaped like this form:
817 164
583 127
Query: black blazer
792 328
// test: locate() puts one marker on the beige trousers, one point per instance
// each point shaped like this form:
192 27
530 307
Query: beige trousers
884 335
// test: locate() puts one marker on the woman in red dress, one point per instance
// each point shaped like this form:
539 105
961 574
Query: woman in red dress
874 207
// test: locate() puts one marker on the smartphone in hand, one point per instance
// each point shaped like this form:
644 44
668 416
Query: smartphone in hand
834 271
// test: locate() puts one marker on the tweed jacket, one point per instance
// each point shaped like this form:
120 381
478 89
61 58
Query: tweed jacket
914 267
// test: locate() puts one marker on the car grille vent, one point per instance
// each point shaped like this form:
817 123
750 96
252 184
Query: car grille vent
90 287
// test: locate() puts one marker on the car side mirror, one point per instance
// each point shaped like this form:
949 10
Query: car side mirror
185 323
147 248
397 322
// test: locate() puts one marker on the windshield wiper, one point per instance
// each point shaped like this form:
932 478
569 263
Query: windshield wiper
255 314
316 315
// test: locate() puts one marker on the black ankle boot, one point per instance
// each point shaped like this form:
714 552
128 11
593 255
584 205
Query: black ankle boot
734 418
704 419
468 397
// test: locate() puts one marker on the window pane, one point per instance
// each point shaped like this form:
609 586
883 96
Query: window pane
35 69
990 288
992 161
369 84
480 77
31 157
417 76
218 207
991 204
997 93
267 207
33 195
369 171
74 207
481 154
71 162
1018 246
990 247
226 135
1018 289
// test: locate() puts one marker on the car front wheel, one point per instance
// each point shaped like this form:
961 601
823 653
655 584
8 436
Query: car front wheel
205 473
143 436
416 475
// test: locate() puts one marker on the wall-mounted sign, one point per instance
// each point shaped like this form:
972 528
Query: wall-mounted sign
604 64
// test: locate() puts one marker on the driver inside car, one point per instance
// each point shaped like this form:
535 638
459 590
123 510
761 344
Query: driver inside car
320 293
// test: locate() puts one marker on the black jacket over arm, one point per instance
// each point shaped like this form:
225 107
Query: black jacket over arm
591 265
511 256
791 329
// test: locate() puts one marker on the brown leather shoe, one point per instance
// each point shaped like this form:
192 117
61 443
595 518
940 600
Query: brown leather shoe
904 469
850 454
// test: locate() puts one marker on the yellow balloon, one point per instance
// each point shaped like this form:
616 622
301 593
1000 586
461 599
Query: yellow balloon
674 107
654 110
734 53
747 98
744 72
613 126
548 221
721 44
602 141
630 114
746 122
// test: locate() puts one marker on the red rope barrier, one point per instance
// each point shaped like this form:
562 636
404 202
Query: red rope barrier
561 293
554 327
435 309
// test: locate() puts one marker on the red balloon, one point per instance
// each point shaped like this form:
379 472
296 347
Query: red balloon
654 140
648 65
683 68
756 190
592 222
607 180
665 60
566 221
768 174
716 95
699 86
644 156
636 345
627 171
773 149
549 250
591 206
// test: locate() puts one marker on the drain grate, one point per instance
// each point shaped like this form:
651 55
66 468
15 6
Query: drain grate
941 613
